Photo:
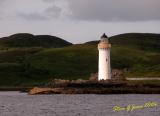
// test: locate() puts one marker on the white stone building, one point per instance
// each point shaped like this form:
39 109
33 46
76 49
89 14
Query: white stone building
104 68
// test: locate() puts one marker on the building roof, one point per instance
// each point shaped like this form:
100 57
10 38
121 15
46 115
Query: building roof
104 36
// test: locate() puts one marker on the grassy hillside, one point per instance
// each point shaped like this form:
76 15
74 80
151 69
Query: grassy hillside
36 65
140 41
29 40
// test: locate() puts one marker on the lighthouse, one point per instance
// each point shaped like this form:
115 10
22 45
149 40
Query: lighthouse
104 68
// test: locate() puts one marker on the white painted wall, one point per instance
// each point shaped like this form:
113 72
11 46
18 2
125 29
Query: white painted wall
104 64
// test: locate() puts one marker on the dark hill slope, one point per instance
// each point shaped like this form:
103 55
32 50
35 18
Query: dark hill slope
29 40
141 41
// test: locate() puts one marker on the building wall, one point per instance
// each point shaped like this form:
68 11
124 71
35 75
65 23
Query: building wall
104 64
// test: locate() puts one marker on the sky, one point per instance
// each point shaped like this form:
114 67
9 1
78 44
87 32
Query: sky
79 21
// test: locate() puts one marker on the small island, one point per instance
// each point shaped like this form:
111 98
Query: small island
51 64
103 82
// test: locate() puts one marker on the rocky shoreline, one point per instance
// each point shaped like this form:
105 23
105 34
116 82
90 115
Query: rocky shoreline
21 89
95 87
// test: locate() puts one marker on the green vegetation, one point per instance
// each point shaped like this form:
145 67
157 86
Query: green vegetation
27 60
29 40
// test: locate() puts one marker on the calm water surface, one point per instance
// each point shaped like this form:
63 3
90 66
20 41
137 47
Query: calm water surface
21 104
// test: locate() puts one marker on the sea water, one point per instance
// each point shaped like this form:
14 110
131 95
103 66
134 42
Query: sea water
21 104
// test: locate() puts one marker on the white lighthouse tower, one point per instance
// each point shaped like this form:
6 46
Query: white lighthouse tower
104 68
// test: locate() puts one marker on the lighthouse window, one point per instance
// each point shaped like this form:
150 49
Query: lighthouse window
106 59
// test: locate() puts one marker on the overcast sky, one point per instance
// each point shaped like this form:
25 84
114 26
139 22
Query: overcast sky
79 20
